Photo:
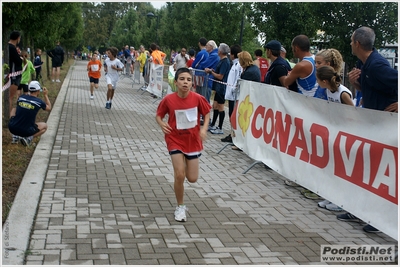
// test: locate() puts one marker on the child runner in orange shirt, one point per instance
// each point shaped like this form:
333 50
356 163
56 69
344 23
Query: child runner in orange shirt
93 68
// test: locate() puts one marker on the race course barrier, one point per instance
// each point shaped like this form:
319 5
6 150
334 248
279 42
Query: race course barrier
345 154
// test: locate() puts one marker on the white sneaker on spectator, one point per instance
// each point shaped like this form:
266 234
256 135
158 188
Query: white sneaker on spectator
15 139
322 204
26 141
217 131
210 127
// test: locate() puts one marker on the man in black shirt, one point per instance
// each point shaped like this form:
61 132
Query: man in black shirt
57 56
15 64
279 67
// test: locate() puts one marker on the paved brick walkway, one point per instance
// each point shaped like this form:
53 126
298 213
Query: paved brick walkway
108 196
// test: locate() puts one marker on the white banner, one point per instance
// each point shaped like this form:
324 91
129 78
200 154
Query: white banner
171 80
155 79
345 154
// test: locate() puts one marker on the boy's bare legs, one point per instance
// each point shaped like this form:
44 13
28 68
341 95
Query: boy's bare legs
109 92
110 95
183 168
91 89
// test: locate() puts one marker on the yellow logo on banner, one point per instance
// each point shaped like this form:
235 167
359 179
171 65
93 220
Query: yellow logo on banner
245 112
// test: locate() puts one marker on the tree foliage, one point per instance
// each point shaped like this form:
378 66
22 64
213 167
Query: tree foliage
220 21
178 24
105 23
283 21
338 22
177 28
42 23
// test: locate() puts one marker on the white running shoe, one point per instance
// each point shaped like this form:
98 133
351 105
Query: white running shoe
58 81
210 128
333 207
180 214
323 204
26 141
91 97
15 139
217 131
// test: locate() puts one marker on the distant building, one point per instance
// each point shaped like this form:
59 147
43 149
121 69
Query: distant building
390 52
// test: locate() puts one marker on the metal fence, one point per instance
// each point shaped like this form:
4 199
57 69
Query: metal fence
200 81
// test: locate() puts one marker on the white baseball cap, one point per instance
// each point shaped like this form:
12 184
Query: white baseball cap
34 86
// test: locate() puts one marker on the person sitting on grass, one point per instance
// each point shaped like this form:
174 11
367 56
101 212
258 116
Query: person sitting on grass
23 118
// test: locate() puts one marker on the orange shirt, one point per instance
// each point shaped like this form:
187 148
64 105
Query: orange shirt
158 57
94 68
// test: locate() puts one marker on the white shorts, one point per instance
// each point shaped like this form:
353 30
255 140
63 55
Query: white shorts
111 81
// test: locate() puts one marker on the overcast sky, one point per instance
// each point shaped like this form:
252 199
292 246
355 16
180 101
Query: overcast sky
158 4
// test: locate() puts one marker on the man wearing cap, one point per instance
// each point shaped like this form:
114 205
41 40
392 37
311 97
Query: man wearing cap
23 118
279 68
283 55
304 73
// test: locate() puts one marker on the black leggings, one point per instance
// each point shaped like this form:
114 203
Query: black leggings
231 106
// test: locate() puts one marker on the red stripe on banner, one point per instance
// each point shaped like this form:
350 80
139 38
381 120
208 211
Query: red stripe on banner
368 164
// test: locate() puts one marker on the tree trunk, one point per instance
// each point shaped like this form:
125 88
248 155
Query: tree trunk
48 67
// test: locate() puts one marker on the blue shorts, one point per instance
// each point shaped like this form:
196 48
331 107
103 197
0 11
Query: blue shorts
189 157
94 80
22 131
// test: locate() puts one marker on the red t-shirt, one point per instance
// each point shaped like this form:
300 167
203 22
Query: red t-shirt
184 118
189 62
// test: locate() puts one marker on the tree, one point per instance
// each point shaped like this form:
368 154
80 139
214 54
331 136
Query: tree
338 23
176 33
283 21
36 31
219 21
100 20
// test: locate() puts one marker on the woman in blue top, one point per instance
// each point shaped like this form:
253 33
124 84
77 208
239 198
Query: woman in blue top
250 71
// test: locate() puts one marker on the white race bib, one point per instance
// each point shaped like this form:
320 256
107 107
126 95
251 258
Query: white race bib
94 67
186 118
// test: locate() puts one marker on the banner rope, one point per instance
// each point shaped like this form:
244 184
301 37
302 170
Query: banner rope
14 74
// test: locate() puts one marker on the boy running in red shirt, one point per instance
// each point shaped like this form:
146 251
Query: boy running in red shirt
183 134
